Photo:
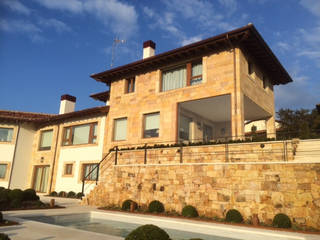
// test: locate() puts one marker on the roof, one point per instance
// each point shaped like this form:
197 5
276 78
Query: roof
101 96
247 38
45 119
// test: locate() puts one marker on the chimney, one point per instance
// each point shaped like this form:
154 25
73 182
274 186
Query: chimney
67 104
149 48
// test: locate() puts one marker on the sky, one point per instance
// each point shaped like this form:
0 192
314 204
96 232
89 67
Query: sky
51 47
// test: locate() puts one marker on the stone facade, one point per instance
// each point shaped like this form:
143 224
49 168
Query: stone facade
263 186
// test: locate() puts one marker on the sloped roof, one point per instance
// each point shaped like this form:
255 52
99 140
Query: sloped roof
247 38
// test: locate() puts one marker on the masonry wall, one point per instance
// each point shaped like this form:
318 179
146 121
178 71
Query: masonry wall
263 186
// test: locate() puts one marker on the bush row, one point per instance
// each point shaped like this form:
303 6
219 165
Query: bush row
70 194
280 220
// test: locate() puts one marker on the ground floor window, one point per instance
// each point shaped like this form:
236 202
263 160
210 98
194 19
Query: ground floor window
41 177
90 171
3 170
68 169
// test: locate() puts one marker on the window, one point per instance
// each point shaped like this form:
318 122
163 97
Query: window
207 133
6 134
120 129
184 127
68 169
130 84
92 169
3 170
45 140
81 134
151 125
250 68
179 77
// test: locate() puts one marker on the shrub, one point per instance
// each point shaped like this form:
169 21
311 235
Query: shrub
281 221
234 215
4 236
195 239
79 195
16 203
39 203
2 188
156 206
30 195
148 232
4 196
127 203
1 217
53 194
16 194
189 211
62 194
71 194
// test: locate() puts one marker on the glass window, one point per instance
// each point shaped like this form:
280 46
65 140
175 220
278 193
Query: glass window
6 134
68 169
120 129
207 133
196 76
92 169
184 128
80 134
131 84
45 140
174 78
151 125
3 170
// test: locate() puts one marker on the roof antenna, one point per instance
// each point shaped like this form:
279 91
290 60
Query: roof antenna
116 41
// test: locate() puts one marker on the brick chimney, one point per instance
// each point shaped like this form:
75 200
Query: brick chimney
67 104
149 48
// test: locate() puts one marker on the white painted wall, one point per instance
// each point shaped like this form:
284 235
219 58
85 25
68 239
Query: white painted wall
77 155
23 157
66 106
6 156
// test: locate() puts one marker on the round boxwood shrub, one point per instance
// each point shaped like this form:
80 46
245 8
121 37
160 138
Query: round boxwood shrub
148 232
16 194
71 194
189 211
156 206
16 203
30 195
79 195
127 203
4 236
53 194
234 215
281 221
62 194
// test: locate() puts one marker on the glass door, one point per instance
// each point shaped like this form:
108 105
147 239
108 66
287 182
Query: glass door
41 176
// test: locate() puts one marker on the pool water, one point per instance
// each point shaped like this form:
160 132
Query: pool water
115 228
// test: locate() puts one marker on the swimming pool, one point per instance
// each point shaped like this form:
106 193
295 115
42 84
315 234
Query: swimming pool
118 224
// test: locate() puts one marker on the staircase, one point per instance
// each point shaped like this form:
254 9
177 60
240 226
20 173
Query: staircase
308 151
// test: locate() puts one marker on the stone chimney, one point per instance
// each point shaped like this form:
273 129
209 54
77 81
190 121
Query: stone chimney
67 104
149 48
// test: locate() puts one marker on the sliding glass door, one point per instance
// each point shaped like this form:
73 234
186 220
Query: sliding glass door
40 179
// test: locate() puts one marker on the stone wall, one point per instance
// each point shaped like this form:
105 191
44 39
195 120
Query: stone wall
262 187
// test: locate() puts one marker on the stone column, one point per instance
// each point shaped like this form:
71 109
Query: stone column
271 127
237 116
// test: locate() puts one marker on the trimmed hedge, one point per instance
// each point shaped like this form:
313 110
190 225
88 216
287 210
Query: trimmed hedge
30 195
16 194
156 206
79 195
4 236
234 215
148 232
281 221
127 204
71 194
1 217
53 194
189 211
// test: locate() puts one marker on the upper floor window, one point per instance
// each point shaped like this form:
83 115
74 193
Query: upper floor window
6 134
151 125
185 75
120 129
130 84
80 134
45 140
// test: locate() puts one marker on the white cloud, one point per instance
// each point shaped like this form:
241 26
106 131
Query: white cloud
148 11
16 6
231 5
75 6
283 46
58 25
312 5
190 40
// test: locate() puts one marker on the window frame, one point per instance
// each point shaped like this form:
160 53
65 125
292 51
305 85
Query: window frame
68 140
5 172
189 77
144 125
114 130
83 171
9 128
65 168
130 85
40 140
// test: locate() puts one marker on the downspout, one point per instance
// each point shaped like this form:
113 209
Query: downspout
54 158
14 156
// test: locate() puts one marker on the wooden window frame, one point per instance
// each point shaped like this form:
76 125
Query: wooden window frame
12 134
65 173
144 125
83 171
45 148
68 141
132 83
6 172
114 130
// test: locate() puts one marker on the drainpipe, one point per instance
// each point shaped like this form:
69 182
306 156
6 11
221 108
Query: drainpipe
54 158
14 156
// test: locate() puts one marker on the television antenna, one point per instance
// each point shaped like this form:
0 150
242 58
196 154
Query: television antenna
116 41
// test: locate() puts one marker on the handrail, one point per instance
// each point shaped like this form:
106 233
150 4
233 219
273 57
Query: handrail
92 170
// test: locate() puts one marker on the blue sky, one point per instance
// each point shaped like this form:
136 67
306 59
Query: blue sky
50 47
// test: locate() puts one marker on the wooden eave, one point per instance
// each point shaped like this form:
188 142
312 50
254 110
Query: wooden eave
101 96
